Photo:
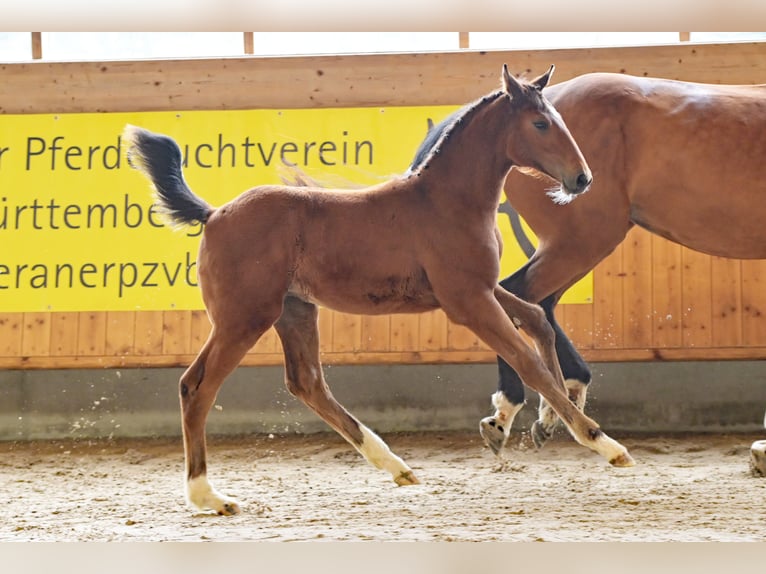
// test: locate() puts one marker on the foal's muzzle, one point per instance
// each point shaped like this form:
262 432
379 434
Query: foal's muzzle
580 184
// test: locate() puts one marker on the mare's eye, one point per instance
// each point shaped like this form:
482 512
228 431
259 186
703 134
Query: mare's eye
541 125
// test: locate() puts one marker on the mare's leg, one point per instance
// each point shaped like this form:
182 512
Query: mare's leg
199 386
492 317
297 329
577 376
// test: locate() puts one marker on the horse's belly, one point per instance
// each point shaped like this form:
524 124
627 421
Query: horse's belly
716 231
365 306
410 293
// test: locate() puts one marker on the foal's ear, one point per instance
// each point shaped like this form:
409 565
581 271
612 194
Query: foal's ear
543 80
511 84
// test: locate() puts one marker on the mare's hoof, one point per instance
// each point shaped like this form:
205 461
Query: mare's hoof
758 458
493 434
539 435
406 479
622 461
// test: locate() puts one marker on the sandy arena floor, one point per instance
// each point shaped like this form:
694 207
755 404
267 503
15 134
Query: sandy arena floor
316 487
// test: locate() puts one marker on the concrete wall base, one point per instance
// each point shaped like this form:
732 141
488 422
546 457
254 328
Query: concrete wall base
726 396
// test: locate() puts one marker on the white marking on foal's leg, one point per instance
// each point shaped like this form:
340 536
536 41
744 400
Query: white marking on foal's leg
611 450
380 456
200 493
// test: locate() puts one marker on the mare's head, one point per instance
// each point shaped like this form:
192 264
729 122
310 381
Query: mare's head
540 141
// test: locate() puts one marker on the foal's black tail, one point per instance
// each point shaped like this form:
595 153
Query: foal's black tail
159 158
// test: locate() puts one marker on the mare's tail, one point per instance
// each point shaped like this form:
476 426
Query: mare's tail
159 158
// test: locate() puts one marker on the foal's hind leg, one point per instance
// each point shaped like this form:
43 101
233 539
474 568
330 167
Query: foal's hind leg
199 387
297 328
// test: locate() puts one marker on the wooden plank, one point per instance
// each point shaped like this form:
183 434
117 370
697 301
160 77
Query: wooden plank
11 331
347 80
64 327
176 332
667 300
376 333
460 338
433 331
608 302
753 303
36 334
696 293
637 288
91 334
726 302
577 322
405 332
120 332
346 333
148 334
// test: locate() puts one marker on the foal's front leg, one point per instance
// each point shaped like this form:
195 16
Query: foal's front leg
494 322
297 329
541 327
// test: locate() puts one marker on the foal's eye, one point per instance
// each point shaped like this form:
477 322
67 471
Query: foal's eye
541 125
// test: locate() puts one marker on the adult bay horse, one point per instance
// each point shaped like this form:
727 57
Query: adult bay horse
676 158
271 255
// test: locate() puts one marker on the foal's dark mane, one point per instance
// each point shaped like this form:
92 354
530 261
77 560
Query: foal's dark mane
455 123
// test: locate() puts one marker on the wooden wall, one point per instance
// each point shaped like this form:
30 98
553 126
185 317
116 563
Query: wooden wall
652 299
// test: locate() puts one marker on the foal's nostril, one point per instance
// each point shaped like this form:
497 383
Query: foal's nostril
583 181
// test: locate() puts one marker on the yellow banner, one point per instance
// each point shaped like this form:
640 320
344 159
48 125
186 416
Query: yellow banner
77 226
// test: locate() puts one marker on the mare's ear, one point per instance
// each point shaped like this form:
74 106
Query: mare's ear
511 84
542 81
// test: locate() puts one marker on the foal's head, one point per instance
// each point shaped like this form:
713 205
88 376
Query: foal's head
540 140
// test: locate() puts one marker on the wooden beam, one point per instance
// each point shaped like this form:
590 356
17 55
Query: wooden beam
464 40
684 36
37 45
249 43
369 80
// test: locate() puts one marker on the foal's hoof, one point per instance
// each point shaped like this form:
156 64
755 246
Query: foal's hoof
623 461
229 508
407 478
539 435
758 458
493 434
